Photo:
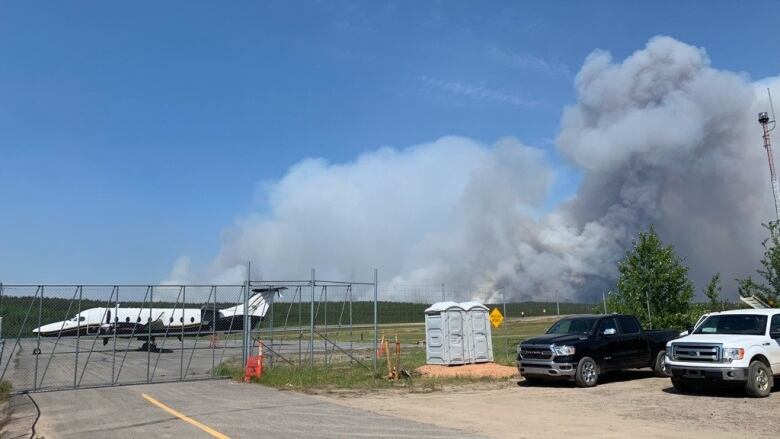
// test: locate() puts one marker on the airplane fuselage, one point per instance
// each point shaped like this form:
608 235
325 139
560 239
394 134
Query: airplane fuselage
140 322
150 322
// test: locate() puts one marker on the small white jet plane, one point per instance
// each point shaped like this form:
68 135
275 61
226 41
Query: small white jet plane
145 324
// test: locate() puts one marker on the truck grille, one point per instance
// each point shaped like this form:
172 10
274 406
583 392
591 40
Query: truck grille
696 352
534 353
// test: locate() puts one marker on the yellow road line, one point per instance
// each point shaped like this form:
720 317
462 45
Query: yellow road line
184 418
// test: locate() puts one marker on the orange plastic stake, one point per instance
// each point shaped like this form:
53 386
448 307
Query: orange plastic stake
397 357
381 347
389 365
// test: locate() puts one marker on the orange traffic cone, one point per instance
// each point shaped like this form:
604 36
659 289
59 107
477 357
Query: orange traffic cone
254 365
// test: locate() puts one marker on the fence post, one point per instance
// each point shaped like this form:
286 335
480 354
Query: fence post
271 332
311 321
78 337
38 342
149 332
376 326
213 332
350 325
246 344
183 303
300 324
116 322
506 328
325 340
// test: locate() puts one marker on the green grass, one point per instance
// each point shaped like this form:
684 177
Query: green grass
5 393
346 377
5 390
341 374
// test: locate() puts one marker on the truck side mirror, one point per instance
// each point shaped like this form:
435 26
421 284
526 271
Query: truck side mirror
609 331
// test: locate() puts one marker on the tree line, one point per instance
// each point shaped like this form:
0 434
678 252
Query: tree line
653 282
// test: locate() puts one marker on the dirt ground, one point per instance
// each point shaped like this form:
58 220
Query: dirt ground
629 404
492 370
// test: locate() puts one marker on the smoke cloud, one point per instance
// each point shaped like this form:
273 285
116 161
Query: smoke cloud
659 138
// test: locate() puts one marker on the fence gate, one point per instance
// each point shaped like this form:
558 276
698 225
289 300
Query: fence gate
72 336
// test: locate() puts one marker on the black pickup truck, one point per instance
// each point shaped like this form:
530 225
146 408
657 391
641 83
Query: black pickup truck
579 348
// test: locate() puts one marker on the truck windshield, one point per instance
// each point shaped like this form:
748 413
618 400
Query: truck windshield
577 325
737 324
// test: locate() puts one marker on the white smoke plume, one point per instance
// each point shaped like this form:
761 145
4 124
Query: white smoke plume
660 138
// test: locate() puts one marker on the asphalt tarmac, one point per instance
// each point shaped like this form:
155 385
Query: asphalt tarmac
209 409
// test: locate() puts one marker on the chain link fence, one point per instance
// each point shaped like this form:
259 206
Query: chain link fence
402 317
72 336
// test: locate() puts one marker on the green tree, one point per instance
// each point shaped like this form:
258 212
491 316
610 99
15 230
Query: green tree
652 275
712 291
769 291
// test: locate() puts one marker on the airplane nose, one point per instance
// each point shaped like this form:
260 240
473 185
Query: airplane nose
51 327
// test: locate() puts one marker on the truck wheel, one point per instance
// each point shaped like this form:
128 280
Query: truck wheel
681 386
759 380
587 373
659 367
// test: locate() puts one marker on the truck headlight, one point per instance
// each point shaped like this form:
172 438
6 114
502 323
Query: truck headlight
731 354
670 352
563 350
518 349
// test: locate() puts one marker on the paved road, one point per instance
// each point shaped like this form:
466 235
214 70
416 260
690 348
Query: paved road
232 409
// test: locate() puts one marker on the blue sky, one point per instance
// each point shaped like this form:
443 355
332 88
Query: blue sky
132 133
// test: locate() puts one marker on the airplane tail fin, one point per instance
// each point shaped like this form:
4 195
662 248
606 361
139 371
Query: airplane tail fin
258 303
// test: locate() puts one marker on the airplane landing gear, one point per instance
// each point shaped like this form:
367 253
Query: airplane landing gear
149 346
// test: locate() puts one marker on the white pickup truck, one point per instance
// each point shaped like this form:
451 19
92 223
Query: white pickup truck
739 347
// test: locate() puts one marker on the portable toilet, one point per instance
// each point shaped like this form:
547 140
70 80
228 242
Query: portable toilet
444 334
479 340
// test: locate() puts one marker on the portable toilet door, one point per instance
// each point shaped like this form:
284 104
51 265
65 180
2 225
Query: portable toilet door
480 334
437 336
456 330
468 337
435 349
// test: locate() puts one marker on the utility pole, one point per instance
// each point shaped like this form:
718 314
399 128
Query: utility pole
649 319
763 119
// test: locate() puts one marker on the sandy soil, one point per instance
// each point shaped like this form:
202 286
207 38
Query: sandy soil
630 404
468 370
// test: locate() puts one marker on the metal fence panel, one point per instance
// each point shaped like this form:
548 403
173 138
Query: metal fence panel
155 333
72 336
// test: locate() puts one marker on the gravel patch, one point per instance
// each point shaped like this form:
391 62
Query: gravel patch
481 370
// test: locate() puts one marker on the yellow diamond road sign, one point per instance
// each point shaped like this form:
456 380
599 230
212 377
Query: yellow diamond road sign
496 318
